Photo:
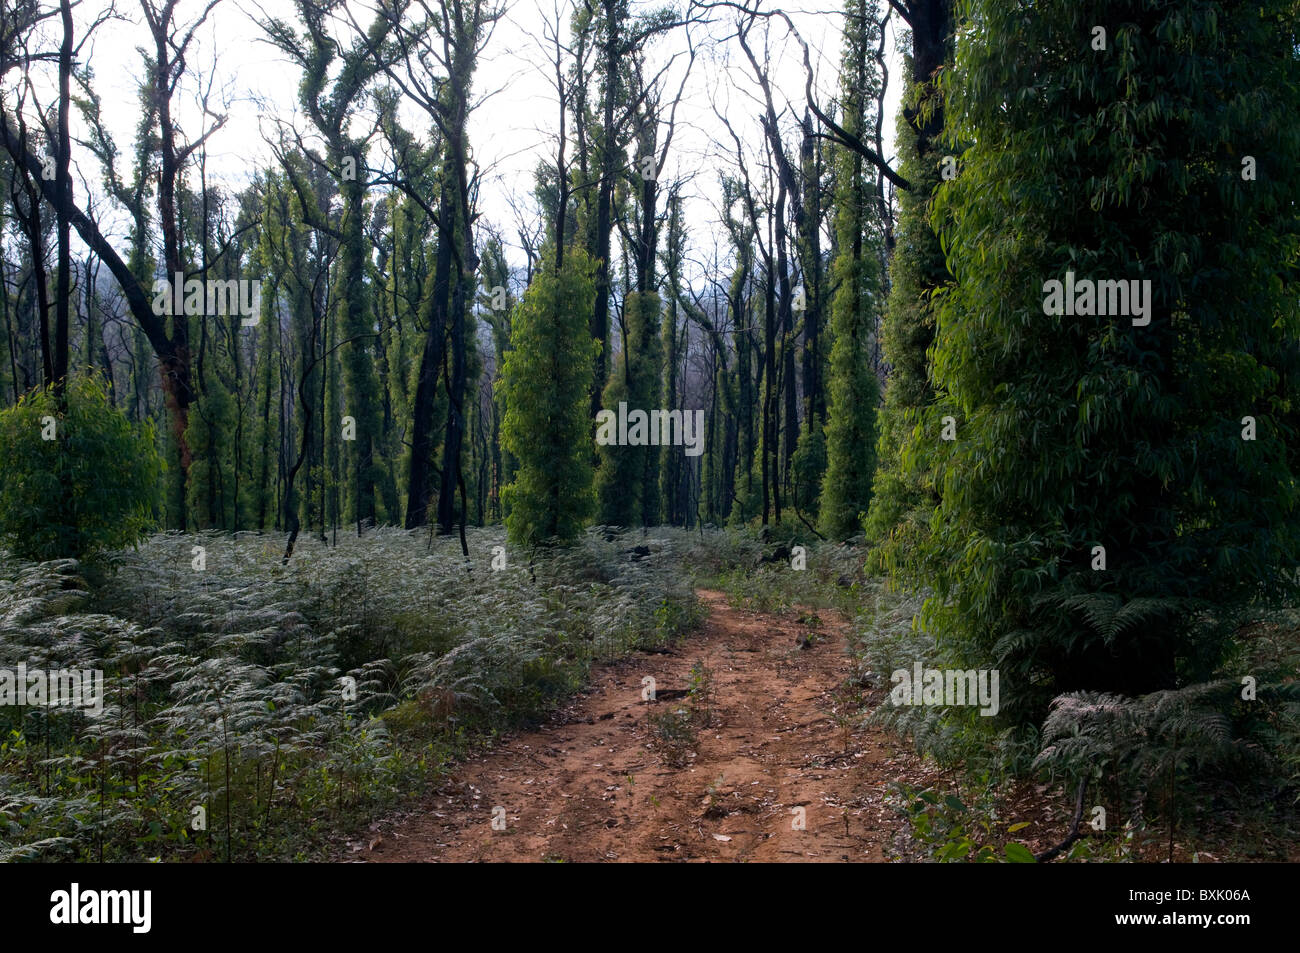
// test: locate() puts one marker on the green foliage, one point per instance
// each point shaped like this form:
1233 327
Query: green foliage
91 488
855 392
213 429
546 387
733 562
627 481
701 693
1158 748
1086 430
674 733
809 465
855 274
903 496
952 832
748 480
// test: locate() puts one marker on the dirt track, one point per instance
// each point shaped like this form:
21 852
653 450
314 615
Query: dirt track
594 785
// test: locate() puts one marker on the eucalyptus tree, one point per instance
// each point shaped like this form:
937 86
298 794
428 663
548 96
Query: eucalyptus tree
545 387
615 38
336 73
628 492
1116 358
435 51
165 65
781 432
808 466
299 261
854 388
545 382
674 472
904 494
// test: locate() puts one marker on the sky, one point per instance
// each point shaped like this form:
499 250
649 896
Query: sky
513 126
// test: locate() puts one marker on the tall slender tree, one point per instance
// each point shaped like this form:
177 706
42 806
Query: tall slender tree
854 388
545 382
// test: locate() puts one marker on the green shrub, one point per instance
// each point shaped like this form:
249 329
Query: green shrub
950 831
79 478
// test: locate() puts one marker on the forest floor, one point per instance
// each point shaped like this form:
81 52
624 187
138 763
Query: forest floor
601 782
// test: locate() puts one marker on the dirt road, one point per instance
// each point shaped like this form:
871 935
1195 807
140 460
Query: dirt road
776 776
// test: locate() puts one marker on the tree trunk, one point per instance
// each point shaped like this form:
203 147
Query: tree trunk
420 482
63 230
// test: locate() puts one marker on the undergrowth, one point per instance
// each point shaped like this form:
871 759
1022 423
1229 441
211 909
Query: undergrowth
764 572
1203 770
254 710
1209 767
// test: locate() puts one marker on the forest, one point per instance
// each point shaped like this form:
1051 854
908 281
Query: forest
873 430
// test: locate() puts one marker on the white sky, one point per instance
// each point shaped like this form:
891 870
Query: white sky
509 132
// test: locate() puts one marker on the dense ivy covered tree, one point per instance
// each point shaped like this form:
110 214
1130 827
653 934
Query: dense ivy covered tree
1119 489
545 383
902 496
627 481
855 275
333 79
79 477
809 466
